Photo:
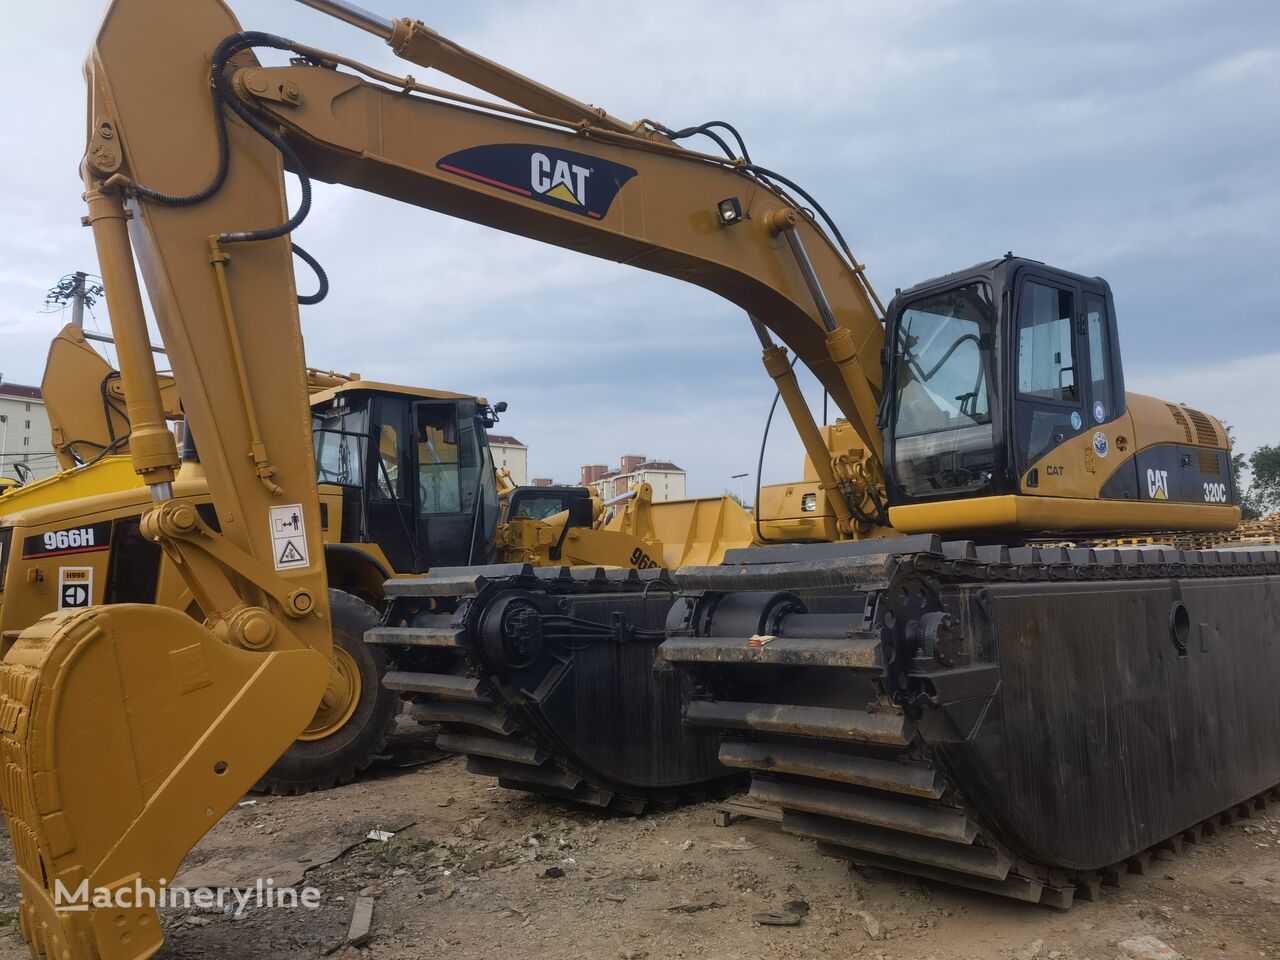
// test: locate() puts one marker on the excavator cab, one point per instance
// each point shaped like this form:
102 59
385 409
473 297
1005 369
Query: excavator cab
1007 409
414 472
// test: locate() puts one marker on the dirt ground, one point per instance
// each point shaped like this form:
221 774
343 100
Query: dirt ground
475 871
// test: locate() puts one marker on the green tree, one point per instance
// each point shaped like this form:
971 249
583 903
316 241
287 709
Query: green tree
1249 508
1264 486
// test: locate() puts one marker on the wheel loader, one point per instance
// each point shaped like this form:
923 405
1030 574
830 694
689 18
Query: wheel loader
905 674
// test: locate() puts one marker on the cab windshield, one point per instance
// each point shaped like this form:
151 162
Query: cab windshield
942 437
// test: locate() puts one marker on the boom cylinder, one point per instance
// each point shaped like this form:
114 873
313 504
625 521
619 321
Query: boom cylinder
779 369
840 343
151 444
355 15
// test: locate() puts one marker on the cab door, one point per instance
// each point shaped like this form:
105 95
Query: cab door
443 499
389 513
1050 386
1107 419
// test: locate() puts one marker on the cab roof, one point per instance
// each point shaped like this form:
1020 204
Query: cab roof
372 386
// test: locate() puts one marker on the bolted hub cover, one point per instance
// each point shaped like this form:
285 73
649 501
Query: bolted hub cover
511 632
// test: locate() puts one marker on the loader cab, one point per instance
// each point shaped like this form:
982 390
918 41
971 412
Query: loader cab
414 469
988 370
542 503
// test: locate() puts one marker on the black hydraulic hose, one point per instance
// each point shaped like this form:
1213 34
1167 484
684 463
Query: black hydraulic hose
314 264
705 130
763 173
792 185
764 439
224 96
881 514
692 131
221 56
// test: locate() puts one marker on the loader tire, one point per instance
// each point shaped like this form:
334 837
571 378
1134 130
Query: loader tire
323 761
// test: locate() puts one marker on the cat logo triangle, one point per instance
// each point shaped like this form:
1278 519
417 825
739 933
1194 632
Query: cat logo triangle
561 192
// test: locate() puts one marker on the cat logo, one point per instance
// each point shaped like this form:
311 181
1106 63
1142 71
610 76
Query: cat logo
562 180
1158 484
565 179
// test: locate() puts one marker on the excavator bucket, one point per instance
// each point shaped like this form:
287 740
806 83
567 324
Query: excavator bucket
126 732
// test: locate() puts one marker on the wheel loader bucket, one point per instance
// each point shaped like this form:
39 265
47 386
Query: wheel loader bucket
125 733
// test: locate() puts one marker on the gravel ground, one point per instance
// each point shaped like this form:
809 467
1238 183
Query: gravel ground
475 871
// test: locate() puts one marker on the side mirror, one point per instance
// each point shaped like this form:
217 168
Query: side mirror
500 406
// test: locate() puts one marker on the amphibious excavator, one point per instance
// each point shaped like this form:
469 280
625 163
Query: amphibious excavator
929 690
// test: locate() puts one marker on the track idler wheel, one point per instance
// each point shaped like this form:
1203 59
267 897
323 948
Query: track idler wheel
127 731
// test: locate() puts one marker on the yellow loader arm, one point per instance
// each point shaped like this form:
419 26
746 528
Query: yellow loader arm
184 171
85 399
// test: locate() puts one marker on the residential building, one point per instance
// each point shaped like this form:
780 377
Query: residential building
593 472
512 455
25 434
667 479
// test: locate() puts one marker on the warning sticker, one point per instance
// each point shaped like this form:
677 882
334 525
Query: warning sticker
75 587
288 537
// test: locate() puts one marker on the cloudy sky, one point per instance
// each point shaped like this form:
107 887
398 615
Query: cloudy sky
1134 140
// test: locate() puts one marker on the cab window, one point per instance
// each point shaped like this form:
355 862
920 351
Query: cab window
389 483
1046 364
1095 309
439 479
539 508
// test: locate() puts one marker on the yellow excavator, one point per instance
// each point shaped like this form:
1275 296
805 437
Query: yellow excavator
952 701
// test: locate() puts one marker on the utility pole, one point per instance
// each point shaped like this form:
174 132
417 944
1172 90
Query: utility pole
738 477
77 298
79 291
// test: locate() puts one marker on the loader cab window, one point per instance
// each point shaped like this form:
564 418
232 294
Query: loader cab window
538 508
389 481
456 492
439 464
942 435
340 437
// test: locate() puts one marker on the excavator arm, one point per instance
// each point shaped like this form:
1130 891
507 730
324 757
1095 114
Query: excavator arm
184 172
